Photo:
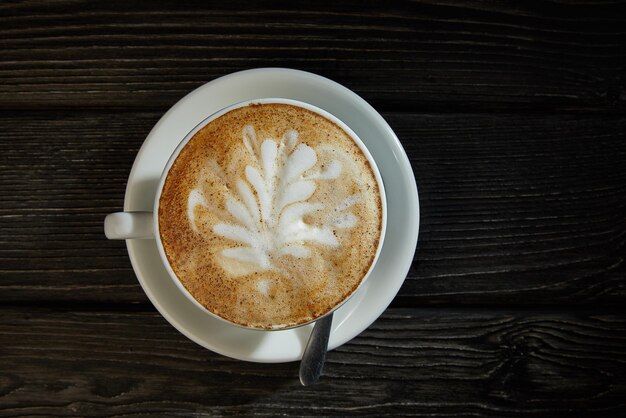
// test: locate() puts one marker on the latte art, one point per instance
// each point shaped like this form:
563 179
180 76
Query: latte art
270 203
270 215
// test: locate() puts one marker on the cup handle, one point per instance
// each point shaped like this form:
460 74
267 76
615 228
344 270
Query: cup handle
129 225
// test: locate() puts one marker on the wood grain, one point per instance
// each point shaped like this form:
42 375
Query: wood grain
411 362
515 209
518 209
429 55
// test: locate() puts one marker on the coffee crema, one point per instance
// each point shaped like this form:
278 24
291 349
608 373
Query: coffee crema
270 216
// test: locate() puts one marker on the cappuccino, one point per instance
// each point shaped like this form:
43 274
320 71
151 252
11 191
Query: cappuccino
270 216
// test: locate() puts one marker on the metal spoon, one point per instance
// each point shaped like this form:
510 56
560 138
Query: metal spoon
314 355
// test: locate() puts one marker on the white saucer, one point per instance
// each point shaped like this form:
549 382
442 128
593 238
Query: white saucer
402 202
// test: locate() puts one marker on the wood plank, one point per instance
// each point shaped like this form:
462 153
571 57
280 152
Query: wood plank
514 208
411 362
518 209
431 55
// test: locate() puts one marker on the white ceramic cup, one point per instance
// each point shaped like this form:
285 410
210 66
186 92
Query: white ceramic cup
145 225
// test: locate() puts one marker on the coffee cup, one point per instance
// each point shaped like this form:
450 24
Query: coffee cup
323 233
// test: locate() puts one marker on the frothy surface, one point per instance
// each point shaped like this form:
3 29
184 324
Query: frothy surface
270 216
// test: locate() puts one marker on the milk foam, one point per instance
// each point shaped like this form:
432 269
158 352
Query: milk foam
270 202
270 216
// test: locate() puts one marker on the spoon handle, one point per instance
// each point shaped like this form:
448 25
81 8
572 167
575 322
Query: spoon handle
314 355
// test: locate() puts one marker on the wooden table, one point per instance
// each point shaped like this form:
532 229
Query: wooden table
513 116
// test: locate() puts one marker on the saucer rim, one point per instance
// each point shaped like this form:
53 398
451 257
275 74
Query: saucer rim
370 113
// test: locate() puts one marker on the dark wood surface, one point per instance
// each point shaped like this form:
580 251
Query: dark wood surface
512 115
410 362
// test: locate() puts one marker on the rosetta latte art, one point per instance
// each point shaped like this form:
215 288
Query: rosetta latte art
271 200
